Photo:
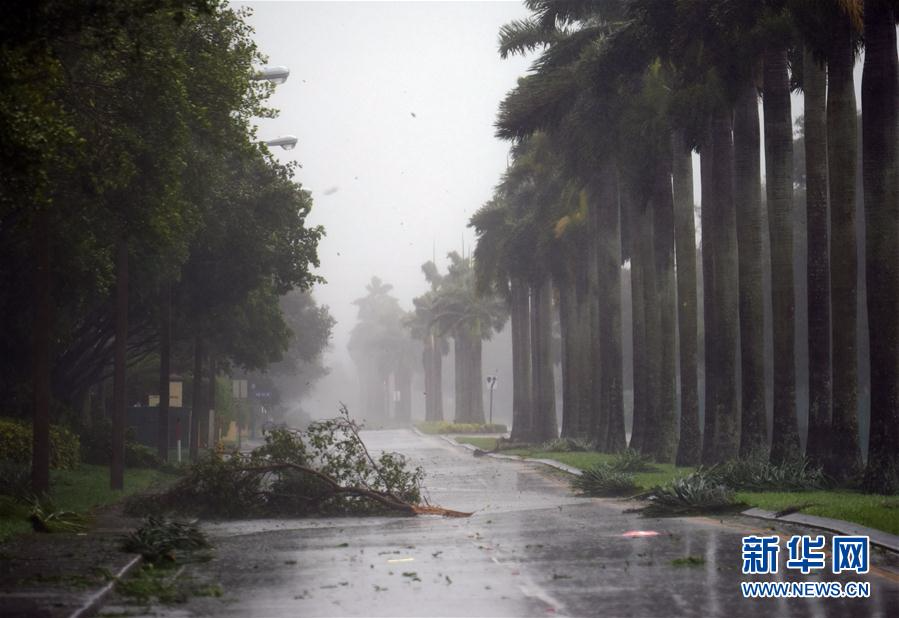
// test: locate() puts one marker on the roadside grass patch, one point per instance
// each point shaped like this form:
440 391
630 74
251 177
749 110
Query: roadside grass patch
485 444
80 491
876 511
446 427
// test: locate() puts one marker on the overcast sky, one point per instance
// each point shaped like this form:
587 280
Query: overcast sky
393 104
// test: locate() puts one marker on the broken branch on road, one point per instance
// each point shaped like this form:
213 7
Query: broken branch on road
324 469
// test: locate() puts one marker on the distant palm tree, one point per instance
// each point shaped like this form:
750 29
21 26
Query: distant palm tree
469 318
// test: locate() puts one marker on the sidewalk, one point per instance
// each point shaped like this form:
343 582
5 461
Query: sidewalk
878 538
65 575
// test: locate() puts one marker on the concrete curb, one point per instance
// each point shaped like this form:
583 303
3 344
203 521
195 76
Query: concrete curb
552 463
881 539
95 600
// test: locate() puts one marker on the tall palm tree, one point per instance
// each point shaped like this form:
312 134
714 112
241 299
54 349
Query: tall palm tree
468 317
880 150
779 185
842 149
748 207
814 83
690 442
422 325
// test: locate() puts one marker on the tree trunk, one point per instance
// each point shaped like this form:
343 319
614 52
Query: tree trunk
461 354
165 370
475 379
720 297
690 442
880 149
437 378
427 364
816 205
404 386
748 207
545 426
209 417
197 401
611 434
665 443
779 185
842 150
40 356
642 390
571 410
117 462
521 362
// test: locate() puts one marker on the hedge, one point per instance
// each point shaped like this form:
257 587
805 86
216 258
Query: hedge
16 442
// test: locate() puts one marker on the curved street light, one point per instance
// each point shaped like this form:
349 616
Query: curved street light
274 74
287 142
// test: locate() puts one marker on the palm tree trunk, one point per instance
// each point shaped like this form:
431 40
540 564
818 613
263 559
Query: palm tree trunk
521 362
880 149
437 378
611 435
720 297
545 426
842 150
816 205
662 213
690 441
748 206
779 185
642 391
652 326
461 356
568 324
427 363
475 379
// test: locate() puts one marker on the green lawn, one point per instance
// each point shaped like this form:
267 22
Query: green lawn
80 490
880 512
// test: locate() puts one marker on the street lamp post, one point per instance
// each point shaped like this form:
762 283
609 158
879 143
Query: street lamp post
491 380
275 75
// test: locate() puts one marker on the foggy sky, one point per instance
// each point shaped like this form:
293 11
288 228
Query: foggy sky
405 185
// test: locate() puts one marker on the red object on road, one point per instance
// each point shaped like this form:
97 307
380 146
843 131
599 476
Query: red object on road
638 533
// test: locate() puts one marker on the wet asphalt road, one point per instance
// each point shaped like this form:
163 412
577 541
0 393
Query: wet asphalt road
530 549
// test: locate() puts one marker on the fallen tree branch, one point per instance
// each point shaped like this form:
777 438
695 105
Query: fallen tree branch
386 499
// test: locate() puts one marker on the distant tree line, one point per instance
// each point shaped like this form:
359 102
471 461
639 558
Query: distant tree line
139 216
603 129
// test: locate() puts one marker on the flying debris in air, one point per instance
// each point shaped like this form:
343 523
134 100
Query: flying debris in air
330 191
413 114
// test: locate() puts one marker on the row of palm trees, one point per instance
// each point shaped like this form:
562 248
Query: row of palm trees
603 130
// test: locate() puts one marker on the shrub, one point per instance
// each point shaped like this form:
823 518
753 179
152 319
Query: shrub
159 538
567 445
602 480
97 448
756 473
689 495
630 460
16 443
